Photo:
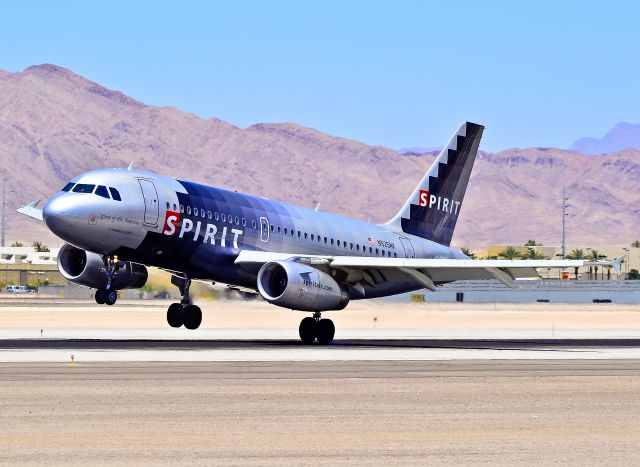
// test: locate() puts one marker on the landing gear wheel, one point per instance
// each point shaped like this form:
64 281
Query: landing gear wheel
192 317
307 330
325 330
174 315
110 297
100 296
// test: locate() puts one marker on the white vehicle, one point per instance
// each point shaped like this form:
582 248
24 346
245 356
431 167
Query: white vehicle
16 289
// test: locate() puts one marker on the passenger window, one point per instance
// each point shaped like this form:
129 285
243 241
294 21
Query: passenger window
216 216
223 217
115 194
332 241
182 208
237 220
351 245
253 224
209 215
272 228
230 219
370 250
244 222
278 229
325 239
188 209
68 186
338 243
167 201
376 251
357 247
305 236
285 231
395 255
83 188
299 234
174 206
102 191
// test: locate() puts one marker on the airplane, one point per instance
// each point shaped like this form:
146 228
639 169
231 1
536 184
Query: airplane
116 222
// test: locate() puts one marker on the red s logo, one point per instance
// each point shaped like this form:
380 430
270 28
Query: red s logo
171 222
423 199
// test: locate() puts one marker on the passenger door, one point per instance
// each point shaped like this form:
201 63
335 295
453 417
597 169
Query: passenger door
264 229
151 205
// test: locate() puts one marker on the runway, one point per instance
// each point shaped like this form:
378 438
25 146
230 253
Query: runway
428 385
275 350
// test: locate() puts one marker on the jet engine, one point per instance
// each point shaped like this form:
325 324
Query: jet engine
300 287
87 268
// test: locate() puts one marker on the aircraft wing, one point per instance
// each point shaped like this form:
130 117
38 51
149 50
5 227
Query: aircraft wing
31 210
428 272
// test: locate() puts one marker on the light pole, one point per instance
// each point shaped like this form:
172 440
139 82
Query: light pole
626 261
3 211
564 221
3 215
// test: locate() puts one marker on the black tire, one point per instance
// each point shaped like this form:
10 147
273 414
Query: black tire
307 330
111 296
325 331
192 317
174 315
100 296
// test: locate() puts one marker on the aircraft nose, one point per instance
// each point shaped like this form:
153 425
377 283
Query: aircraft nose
58 215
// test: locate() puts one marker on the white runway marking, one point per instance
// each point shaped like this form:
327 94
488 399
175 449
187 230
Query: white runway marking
313 353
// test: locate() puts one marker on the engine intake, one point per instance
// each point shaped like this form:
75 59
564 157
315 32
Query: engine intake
87 268
300 287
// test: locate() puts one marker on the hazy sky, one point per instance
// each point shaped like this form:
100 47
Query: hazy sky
395 73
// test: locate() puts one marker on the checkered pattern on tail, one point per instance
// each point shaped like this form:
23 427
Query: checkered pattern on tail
434 206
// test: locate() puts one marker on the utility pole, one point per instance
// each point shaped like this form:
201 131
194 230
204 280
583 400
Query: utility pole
3 214
564 221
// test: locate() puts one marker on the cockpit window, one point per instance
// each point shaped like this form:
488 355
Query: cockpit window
102 191
83 188
115 194
68 186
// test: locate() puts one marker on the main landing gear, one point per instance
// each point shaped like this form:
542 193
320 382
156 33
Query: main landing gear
108 295
316 328
184 313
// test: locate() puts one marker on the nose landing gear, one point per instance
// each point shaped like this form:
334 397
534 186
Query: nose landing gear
315 328
184 313
108 295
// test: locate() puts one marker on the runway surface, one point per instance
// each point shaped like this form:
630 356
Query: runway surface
422 384
194 350
568 412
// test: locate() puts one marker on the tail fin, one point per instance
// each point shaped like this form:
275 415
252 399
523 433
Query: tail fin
433 208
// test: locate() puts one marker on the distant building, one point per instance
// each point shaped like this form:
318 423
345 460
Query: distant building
631 254
25 266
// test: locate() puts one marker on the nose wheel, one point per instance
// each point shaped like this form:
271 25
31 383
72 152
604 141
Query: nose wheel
184 313
314 328
108 295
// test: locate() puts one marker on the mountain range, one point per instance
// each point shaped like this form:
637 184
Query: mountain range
622 136
55 124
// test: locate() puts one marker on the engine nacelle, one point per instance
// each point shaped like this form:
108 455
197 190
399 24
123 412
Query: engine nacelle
87 268
300 287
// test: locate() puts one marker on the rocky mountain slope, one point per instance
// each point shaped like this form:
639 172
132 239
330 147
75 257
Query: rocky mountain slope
55 124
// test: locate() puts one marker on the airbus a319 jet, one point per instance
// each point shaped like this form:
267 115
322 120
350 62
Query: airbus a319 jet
115 222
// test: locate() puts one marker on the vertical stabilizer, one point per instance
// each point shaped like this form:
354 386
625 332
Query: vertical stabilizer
434 206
